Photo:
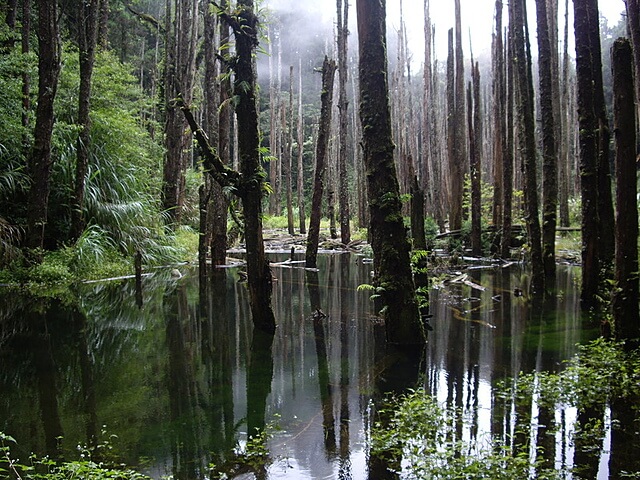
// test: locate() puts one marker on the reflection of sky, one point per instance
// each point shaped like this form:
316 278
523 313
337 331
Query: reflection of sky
477 340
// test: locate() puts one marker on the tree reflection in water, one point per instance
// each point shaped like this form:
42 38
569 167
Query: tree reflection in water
183 381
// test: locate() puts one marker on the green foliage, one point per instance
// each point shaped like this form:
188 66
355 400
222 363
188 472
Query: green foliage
418 431
85 467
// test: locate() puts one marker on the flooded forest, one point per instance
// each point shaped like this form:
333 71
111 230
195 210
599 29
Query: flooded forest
272 239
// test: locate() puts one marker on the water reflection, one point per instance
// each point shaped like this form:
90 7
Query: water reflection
184 383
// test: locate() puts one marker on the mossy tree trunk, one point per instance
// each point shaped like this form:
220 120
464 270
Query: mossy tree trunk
388 236
625 298
343 121
248 182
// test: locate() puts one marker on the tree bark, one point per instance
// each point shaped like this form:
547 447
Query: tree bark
286 161
563 171
248 183
475 139
388 237
258 272
460 136
343 121
525 112
625 297
40 161
300 141
633 22
87 42
180 47
507 166
328 75
455 211
549 148
588 138
499 98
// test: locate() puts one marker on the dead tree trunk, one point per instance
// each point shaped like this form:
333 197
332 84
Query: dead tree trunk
181 42
588 125
328 74
40 161
286 161
499 118
388 237
633 22
475 142
625 297
343 121
524 108
460 146
508 159
455 183
605 201
300 141
549 148
563 171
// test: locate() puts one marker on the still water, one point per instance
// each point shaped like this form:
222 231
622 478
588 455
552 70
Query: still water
177 381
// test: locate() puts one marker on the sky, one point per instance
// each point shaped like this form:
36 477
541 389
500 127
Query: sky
477 20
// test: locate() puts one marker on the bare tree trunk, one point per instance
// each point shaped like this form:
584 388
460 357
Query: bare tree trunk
87 38
605 201
180 54
499 119
455 211
287 157
389 241
274 144
625 297
565 158
549 148
475 141
524 85
508 159
633 22
328 74
460 146
26 78
588 153
40 161
300 183
343 105
103 24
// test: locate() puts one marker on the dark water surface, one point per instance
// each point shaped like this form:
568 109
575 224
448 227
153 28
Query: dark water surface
177 384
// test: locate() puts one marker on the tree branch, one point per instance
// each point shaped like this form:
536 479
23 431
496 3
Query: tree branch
221 173
145 17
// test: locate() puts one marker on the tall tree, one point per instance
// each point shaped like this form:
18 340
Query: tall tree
248 183
588 138
605 201
300 142
459 135
343 120
563 171
526 119
87 41
181 29
625 297
633 22
388 237
499 98
286 160
549 148
475 161
507 160
40 160
322 146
